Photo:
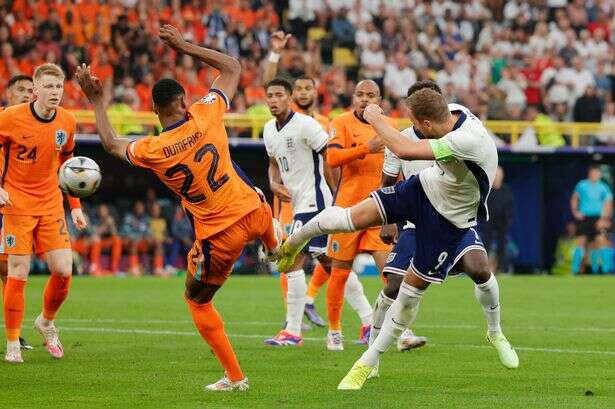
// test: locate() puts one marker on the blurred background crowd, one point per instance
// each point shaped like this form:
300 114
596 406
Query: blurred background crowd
550 60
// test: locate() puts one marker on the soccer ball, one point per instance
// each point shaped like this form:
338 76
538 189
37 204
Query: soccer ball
79 176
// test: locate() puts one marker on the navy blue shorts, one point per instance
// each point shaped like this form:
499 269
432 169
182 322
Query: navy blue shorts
318 245
400 257
439 243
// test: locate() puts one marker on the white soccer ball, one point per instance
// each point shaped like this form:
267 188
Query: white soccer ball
79 176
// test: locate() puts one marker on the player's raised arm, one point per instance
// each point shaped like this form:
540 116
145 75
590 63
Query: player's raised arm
229 67
393 139
277 42
92 88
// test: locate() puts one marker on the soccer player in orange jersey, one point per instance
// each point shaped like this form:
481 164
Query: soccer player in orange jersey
304 101
19 91
192 158
355 148
37 138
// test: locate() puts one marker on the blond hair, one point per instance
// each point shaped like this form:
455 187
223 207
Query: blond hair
48 69
427 104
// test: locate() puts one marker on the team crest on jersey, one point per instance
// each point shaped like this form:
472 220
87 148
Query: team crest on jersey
10 241
390 257
335 246
61 138
209 99
290 143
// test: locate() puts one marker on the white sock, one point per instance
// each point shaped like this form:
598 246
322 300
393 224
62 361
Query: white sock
333 219
353 292
488 295
380 309
309 300
400 316
295 301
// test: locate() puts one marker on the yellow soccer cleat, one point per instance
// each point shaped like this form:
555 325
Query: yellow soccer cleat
287 255
356 377
506 352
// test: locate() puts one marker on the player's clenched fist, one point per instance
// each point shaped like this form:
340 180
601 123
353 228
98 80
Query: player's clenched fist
278 41
4 198
372 112
171 36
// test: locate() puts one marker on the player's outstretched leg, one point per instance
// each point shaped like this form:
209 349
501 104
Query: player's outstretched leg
400 315
331 220
476 265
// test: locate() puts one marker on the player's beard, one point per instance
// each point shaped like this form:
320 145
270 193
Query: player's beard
305 107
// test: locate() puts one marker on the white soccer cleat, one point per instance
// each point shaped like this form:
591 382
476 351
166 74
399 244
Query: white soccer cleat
335 341
226 385
356 377
13 353
506 352
409 341
50 336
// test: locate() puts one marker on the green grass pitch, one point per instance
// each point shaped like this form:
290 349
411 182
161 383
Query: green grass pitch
129 343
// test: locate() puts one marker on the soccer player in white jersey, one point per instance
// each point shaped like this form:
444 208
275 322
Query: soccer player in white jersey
296 145
445 202
401 235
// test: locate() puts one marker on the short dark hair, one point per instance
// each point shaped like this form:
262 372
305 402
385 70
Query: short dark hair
419 85
166 91
305 78
280 82
18 78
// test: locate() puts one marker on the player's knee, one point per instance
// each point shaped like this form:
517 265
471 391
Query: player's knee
62 266
392 288
19 269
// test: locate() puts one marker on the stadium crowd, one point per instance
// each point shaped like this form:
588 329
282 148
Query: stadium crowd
541 61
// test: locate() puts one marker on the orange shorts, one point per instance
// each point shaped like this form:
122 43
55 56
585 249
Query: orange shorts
345 246
211 260
21 234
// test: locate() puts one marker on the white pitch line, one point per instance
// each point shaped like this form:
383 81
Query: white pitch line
255 336
277 323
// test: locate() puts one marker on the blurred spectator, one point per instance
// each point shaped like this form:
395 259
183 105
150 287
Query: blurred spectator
588 108
123 109
537 53
160 237
137 236
543 128
564 251
104 236
501 216
182 234
607 137
592 207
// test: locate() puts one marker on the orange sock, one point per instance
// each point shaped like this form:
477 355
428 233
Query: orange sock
209 324
116 253
55 293
335 296
284 286
95 257
319 277
14 305
158 261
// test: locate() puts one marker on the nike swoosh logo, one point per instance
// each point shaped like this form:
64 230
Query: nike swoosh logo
493 308
393 319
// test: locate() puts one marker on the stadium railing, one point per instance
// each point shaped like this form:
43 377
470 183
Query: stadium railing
511 130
